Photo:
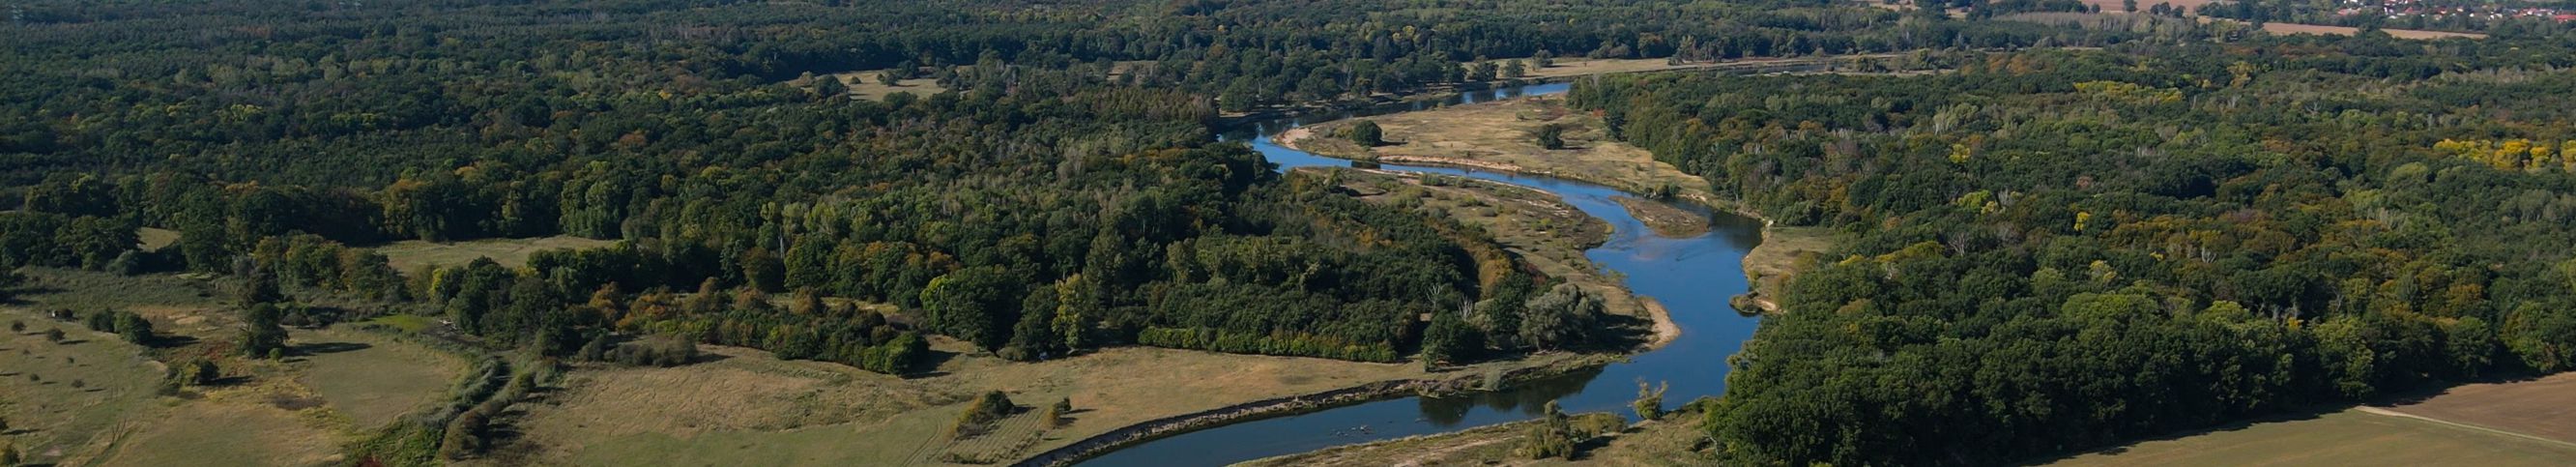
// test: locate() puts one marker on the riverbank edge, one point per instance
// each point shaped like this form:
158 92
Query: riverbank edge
1771 230
1150 430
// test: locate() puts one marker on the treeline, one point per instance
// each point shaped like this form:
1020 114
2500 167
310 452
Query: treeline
2053 251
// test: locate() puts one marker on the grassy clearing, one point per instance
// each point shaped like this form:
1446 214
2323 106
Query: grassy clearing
409 255
1500 136
2341 438
371 379
2544 407
292 412
1784 250
745 407
155 239
864 85
54 422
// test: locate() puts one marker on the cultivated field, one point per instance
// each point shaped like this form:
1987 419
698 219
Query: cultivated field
2346 438
2544 407
408 255
2295 28
2112 6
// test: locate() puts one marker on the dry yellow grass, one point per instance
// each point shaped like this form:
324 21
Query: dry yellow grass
2544 407
864 85
2349 438
1769 265
2295 28
408 255
751 409
1669 442
1498 136
154 239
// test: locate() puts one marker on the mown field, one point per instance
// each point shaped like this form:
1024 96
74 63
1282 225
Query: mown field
2346 438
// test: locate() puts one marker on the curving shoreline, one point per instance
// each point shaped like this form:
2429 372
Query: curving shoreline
1292 405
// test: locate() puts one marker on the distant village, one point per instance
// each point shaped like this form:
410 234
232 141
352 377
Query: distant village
2441 10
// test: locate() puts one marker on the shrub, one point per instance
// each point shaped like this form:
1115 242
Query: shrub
980 415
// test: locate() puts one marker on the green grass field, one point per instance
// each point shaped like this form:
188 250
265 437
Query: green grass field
2347 438
408 255
55 421
376 378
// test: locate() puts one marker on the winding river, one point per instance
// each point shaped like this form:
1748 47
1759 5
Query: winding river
1693 277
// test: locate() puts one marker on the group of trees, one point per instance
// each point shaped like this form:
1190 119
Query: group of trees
2049 251
1066 196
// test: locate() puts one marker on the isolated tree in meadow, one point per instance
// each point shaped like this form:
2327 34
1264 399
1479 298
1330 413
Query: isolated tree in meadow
54 335
1550 136
1543 59
134 328
1055 413
261 333
1513 69
1367 134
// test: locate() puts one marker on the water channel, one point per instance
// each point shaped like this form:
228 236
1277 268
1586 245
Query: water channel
1693 277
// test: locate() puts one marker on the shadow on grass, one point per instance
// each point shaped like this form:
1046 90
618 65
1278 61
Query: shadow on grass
326 348
2124 447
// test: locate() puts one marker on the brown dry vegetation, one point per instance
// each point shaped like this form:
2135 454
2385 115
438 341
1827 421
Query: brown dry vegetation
1665 219
2544 407
2295 28
864 85
746 407
1498 136
1784 250
1668 442
2349 437
293 412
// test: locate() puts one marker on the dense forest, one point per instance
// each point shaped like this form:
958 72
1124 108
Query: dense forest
1058 191
2049 251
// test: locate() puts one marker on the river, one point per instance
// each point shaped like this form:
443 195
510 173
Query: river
1692 276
